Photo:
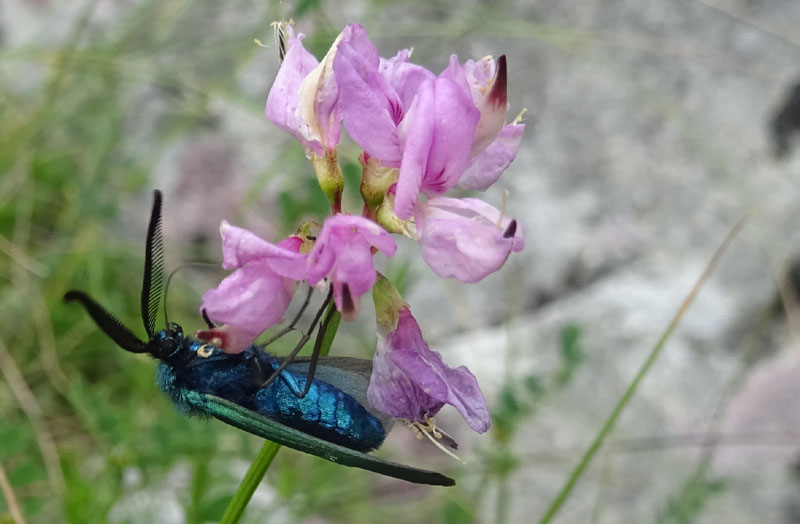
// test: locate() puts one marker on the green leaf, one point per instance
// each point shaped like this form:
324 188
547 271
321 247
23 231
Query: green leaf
28 472
12 440
572 355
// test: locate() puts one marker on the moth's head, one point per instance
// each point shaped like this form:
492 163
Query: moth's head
168 343
174 348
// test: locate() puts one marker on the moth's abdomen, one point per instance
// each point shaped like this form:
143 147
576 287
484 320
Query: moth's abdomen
325 412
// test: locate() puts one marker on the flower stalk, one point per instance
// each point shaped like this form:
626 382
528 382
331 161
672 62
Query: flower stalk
250 482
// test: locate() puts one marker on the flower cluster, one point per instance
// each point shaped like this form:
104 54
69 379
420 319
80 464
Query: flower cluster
422 134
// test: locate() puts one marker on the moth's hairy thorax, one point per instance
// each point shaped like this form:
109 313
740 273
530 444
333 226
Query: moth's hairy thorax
165 378
198 366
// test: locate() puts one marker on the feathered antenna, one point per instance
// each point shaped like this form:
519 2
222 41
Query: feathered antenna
112 327
153 267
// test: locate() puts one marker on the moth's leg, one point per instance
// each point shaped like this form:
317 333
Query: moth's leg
294 322
312 365
302 342
287 379
260 372
207 320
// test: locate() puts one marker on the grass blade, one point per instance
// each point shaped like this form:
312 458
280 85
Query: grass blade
611 420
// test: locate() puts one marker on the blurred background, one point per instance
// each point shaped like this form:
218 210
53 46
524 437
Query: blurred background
652 128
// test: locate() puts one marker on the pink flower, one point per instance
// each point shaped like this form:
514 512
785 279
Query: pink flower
343 253
495 144
436 136
374 95
304 98
256 295
485 81
403 115
283 101
465 238
410 381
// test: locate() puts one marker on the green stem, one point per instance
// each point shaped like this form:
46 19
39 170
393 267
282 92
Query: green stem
250 482
608 425
333 317
261 464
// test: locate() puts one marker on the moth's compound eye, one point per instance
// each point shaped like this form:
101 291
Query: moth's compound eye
205 350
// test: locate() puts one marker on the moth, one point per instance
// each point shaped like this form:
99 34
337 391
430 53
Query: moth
317 406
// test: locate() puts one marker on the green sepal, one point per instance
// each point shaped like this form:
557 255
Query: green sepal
330 177
257 424
376 180
388 303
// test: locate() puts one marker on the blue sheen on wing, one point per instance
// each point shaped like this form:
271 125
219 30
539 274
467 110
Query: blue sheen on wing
325 412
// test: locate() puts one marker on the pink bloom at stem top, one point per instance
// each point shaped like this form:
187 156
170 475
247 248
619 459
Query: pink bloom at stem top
405 116
256 295
433 128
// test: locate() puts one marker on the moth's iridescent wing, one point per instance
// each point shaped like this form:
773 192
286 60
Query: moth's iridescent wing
257 424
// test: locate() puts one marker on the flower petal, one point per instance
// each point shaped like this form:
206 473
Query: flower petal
393 392
465 238
456 119
317 108
404 77
456 73
283 101
487 167
252 299
343 253
493 108
356 36
435 135
485 81
370 107
409 380
374 234
354 263
228 338
319 92
348 303
416 132
479 74
240 247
